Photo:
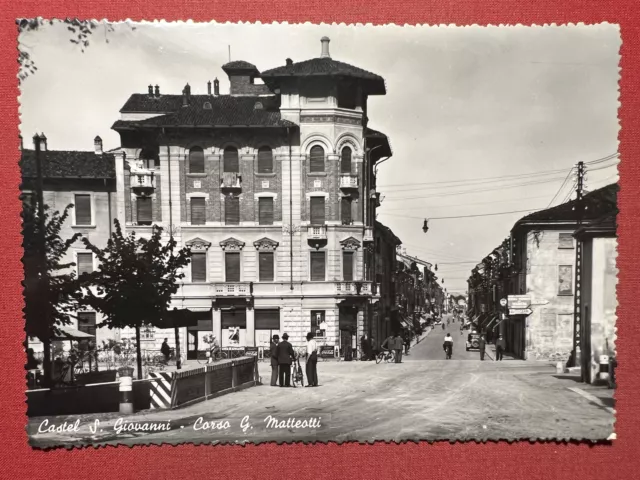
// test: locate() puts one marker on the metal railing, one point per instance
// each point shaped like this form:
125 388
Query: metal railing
348 181
316 232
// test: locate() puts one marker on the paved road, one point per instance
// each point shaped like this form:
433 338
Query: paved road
431 347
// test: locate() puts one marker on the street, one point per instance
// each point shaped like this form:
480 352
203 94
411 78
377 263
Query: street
424 398
431 347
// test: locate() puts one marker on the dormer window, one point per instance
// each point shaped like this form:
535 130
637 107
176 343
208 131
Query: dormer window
196 160
258 106
207 106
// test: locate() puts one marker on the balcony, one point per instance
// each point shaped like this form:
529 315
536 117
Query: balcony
348 182
368 235
231 181
367 289
231 289
143 182
317 232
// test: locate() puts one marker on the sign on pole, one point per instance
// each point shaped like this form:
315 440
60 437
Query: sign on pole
520 311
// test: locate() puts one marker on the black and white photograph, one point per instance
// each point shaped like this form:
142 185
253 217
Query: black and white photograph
249 233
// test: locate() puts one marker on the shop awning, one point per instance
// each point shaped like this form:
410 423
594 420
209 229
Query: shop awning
70 333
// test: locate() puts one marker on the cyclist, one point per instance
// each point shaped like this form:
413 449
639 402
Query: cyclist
448 345
387 345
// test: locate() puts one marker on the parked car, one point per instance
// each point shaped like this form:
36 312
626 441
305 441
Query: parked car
473 341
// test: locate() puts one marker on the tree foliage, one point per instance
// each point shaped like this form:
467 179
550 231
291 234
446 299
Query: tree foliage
47 306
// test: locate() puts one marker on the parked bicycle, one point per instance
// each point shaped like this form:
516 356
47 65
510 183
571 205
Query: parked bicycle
214 354
389 356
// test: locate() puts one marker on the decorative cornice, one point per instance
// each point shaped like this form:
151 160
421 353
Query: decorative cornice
198 244
350 243
265 245
232 244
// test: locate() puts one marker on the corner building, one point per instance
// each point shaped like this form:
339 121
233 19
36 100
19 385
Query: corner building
272 187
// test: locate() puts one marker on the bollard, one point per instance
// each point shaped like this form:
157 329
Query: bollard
126 395
559 367
604 368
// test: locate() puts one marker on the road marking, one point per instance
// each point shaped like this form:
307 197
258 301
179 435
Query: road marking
591 398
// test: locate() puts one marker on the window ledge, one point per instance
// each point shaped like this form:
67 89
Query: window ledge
197 175
317 174
83 226
273 174
565 294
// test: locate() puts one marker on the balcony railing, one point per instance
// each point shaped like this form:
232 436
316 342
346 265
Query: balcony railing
232 289
231 180
348 181
317 232
356 288
143 181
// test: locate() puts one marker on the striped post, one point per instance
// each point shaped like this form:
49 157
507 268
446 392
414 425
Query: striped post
160 385
126 394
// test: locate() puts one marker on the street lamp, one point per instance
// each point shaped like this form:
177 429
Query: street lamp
425 227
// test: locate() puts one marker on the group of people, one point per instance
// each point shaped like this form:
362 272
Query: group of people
397 343
501 346
283 356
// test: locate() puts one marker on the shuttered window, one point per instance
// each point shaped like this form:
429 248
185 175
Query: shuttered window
230 160
199 267
83 209
232 210
345 160
265 263
196 160
267 319
317 266
317 211
234 318
265 211
316 162
232 266
345 210
265 160
144 210
198 211
347 266
87 322
84 263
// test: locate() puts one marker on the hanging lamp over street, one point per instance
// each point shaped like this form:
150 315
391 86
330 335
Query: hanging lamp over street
425 226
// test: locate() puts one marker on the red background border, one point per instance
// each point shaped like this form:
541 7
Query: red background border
440 460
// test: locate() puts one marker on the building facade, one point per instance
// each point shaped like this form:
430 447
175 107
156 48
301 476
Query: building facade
272 188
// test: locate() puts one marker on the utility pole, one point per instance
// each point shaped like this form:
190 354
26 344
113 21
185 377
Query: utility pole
577 323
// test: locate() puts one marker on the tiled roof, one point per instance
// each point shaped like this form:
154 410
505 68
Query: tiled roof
240 65
380 142
323 67
68 164
598 203
225 110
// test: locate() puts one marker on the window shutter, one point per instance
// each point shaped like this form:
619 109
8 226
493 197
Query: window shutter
198 267
347 266
196 160
232 210
265 261
267 319
144 210
232 266
346 210
317 210
84 263
265 160
316 163
234 318
198 211
87 322
83 209
230 161
317 266
345 160
265 211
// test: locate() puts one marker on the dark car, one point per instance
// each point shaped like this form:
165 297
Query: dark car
473 341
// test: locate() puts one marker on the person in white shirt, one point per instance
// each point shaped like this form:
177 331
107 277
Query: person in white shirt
312 361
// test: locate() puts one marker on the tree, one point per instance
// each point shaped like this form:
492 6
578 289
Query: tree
50 290
135 281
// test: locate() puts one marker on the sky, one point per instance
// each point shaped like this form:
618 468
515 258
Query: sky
481 120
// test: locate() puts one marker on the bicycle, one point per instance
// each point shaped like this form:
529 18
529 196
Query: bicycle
389 356
212 355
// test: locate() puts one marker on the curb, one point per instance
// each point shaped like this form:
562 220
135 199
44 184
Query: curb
592 398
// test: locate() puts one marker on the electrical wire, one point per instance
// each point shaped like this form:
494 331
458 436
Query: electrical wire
561 186
470 216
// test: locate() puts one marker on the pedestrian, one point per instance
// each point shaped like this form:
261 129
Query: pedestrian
285 357
165 350
32 362
273 353
397 343
501 345
366 348
312 361
482 345
407 342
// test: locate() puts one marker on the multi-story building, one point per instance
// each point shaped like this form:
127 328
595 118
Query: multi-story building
86 180
272 187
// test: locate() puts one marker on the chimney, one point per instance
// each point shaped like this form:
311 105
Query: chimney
186 95
157 91
151 90
209 87
97 145
289 62
36 142
216 87
43 142
325 47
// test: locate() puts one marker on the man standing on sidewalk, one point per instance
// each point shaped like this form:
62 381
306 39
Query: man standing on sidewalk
501 345
397 346
273 351
285 357
482 345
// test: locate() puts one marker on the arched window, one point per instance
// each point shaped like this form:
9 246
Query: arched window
345 160
196 160
230 160
265 160
149 158
316 163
